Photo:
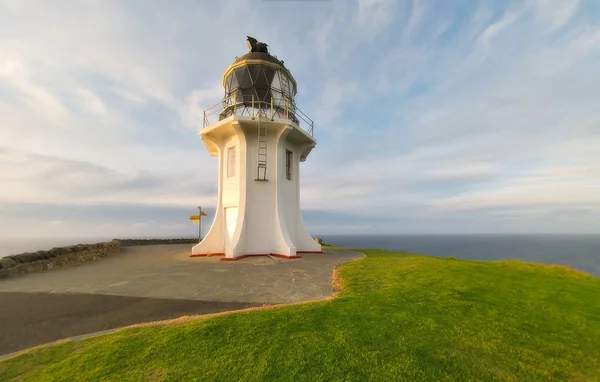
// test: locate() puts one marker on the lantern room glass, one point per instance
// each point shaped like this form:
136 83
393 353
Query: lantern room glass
262 84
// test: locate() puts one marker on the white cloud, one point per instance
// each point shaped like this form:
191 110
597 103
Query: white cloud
44 179
496 28
89 101
200 100
465 111
557 12
374 15
323 34
550 194
36 97
481 139
334 97
415 19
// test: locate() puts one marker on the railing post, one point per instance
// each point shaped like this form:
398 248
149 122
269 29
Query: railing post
203 118
252 106
272 118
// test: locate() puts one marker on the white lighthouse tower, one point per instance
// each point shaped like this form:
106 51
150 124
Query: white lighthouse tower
260 138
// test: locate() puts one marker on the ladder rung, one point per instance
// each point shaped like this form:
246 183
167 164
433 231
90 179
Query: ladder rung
262 151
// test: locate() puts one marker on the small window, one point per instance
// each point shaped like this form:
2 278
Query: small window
231 162
288 164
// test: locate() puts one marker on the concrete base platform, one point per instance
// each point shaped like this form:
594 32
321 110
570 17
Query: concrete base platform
167 271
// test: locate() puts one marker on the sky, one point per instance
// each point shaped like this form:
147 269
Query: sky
430 116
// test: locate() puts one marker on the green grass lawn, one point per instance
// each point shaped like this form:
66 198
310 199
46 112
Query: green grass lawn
399 317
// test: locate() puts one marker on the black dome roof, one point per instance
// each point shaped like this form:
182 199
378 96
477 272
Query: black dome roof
260 56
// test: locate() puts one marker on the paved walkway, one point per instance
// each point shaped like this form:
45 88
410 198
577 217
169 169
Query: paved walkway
166 271
149 283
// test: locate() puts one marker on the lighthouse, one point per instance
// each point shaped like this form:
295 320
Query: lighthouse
260 138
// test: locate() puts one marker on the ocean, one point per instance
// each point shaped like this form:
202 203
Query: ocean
581 252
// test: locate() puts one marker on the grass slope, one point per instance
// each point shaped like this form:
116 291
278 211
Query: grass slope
399 317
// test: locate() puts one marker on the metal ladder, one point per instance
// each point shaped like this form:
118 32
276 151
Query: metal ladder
261 171
285 89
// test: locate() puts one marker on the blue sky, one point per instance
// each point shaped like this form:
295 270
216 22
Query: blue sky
430 116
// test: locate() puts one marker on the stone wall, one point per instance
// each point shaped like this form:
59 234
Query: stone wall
134 242
39 261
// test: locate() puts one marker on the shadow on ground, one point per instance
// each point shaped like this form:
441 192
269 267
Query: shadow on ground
31 319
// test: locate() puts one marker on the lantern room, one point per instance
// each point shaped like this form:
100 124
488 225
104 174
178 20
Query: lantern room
261 82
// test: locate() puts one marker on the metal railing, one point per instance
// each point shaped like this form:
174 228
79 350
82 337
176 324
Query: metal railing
237 105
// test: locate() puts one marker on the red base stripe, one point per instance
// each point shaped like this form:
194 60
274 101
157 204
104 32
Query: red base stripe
259 254
286 256
252 255
206 254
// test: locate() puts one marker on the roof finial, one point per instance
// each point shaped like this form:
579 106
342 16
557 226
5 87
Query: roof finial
255 46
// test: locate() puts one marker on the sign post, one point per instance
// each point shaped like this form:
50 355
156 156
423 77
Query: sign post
199 224
198 219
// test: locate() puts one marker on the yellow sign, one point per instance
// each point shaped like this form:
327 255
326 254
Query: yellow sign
196 218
